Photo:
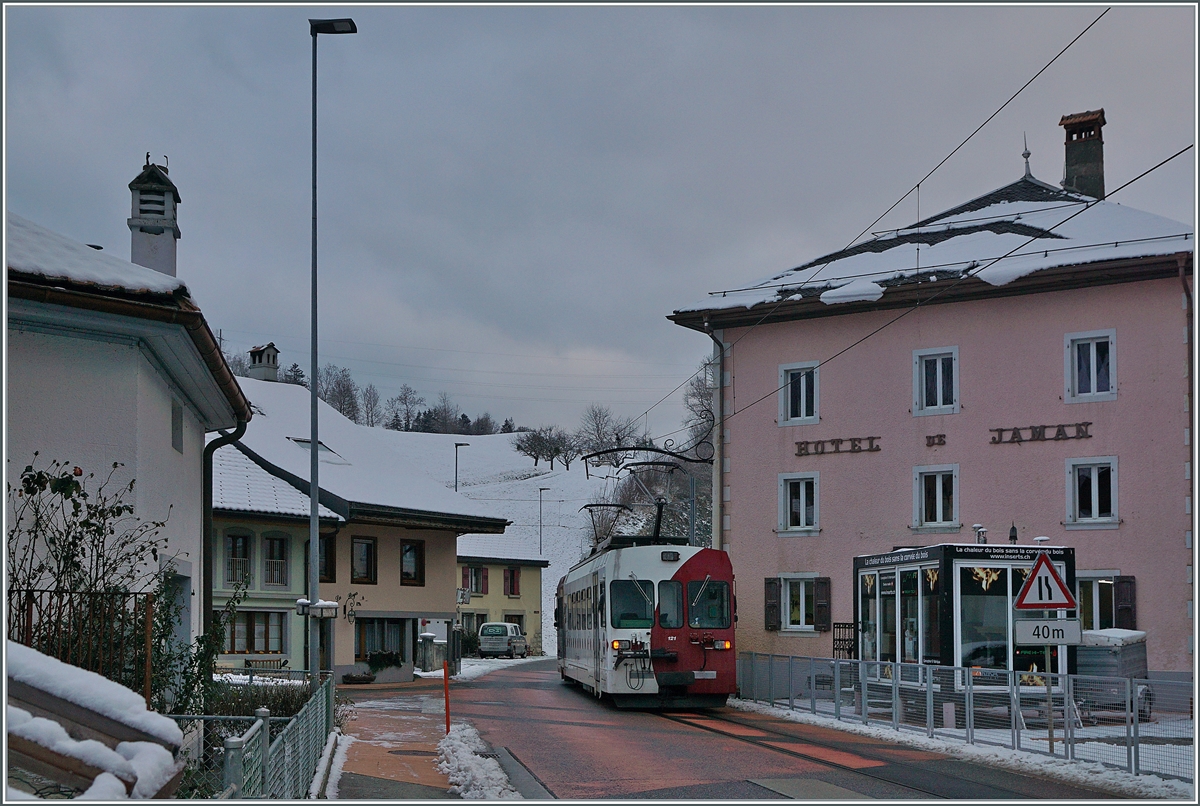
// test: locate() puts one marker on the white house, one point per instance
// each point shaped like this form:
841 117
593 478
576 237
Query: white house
109 361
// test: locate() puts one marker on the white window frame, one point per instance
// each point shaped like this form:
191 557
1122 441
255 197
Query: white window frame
1073 520
784 502
785 392
786 580
475 579
1069 342
1096 578
919 525
919 409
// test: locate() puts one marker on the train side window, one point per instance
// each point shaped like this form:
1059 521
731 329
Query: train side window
708 604
670 604
632 603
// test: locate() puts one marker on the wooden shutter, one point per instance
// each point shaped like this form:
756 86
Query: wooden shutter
1125 602
466 577
516 581
771 615
508 582
822 619
484 591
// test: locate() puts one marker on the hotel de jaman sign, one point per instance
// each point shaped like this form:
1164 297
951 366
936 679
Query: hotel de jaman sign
1040 433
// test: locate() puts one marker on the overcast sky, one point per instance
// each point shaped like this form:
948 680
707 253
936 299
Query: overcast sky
513 199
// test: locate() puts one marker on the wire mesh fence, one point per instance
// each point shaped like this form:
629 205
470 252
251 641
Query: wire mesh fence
1142 726
255 756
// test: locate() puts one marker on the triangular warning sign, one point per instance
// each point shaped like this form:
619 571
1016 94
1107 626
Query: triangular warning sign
1044 589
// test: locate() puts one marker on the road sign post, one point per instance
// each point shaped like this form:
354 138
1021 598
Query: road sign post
1045 590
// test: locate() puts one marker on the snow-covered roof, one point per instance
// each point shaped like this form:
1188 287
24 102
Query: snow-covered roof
88 690
1046 226
356 464
37 251
496 547
239 485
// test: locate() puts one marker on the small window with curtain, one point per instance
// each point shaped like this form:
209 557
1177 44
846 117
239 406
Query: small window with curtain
1092 493
363 560
1090 366
798 503
512 581
798 394
935 498
412 562
935 381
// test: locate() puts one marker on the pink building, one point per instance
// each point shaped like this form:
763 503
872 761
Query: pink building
1021 360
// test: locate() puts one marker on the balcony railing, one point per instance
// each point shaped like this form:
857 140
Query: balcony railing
275 572
237 570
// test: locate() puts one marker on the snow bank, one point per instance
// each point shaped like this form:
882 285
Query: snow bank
1083 773
339 761
473 668
314 788
472 776
860 290
106 787
89 690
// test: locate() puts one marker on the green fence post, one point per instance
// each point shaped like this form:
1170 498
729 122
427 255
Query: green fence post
264 738
234 775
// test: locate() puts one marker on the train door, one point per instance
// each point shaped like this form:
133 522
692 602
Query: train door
597 619
601 637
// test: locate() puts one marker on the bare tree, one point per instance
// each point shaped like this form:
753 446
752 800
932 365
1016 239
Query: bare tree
699 404
445 415
239 365
401 410
368 403
563 446
600 429
336 387
531 444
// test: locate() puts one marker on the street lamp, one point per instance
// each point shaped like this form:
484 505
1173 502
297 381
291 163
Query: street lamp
339 26
540 491
458 445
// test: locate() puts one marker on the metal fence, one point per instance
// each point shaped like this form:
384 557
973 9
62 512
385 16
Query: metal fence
1142 726
107 633
258 756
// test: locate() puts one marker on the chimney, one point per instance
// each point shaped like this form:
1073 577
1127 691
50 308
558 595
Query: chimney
153 228
1084 168
264 362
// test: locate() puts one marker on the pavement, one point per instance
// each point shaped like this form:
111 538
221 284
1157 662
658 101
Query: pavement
396 727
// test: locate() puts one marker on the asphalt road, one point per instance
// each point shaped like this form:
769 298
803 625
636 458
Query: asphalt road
579 747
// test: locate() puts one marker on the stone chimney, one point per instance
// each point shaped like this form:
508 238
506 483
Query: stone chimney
1084 168
153 228
264 362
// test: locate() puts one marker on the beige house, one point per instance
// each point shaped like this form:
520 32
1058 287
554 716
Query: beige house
387 553
501 588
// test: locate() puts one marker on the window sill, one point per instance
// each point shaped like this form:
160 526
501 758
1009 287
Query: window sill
948 529
812 532
808 632
363 582
1104 397
935 411
799 421
1082 526
513 595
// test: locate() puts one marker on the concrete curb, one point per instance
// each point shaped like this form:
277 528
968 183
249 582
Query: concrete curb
521 778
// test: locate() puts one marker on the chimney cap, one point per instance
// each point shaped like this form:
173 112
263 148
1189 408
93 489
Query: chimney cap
154 177
1083 118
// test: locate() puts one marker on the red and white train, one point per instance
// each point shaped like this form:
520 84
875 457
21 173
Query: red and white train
651 626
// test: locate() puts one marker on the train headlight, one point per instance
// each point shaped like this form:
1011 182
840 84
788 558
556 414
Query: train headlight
620 645
722 644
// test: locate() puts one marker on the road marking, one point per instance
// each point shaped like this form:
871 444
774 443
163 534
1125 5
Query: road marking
808 789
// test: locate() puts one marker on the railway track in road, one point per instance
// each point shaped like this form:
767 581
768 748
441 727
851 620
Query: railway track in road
921 780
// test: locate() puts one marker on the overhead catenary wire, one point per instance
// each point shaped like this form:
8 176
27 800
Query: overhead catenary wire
898 201
965 276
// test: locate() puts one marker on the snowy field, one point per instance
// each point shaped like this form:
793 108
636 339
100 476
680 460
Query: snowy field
1084 773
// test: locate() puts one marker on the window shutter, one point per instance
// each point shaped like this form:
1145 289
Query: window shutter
516 582
508 582
466 577
771 616
822 620
1125 601
484 591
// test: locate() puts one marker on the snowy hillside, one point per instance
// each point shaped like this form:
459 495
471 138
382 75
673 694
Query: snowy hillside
505 484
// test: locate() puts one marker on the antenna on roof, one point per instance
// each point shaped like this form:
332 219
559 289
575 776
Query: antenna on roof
1025 154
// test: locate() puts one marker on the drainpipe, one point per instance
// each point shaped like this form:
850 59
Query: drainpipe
1187 300
719 453
206 549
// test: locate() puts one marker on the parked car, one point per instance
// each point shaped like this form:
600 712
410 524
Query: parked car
500 638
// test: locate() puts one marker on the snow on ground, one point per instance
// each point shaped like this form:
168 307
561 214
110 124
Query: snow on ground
473 668
314 788
1084 773
471 775
339 761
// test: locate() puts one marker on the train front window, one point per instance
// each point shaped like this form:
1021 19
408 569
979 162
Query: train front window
708 604
670 604
632 603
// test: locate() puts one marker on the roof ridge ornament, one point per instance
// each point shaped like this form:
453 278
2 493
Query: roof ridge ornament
1025 154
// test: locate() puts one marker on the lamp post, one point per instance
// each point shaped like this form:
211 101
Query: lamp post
339 26
540 491
458 445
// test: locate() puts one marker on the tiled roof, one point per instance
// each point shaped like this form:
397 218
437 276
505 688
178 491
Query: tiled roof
239 485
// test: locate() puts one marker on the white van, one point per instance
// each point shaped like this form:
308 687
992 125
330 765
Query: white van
501 638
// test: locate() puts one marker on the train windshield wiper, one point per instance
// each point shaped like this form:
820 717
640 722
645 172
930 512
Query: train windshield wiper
637 585
700 592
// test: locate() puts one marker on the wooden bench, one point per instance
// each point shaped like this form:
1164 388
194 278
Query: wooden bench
274 663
